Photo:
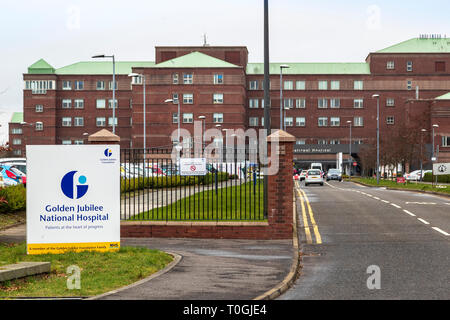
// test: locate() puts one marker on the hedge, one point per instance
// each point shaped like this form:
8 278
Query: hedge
127 185
445 178
13 198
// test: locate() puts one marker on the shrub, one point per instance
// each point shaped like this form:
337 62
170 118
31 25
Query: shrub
14 198
440 178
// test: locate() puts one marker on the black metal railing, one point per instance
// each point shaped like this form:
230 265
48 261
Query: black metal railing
153 188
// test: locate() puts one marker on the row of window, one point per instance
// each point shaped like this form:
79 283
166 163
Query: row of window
189 117
301 85
326 141
439 66
301 121
300 103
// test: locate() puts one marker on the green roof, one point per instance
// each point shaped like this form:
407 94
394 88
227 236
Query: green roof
195 60
102 67
444 97
17 117
41 67
420 45
311 68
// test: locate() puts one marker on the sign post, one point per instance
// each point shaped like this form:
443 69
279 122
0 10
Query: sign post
73 198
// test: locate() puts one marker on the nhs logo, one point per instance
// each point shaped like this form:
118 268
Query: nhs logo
74 185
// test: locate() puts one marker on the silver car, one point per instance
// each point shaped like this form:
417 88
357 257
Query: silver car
314 176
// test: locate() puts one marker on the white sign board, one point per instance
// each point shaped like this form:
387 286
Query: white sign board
441 168
193 166
73 198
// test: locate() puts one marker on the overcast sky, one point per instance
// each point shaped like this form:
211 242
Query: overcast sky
64 32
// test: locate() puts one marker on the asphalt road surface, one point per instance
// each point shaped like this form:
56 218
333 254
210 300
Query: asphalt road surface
371 243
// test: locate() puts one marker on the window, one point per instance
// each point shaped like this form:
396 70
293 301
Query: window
100 121
175 117
409 66
253 121
288 121
446 141
66 103
323 121
218 98
357 141
262 121
188 142
39 126
390 102
188 98
66 121
288 103
390 65
187 78
358 103
322 141
335 103
218 78
253 103
358 121
335 121
390 120
300 121
439 66
110 121
409 85
335 85
78 142
100 85
335 141
16 130
300 142
17 152
101 103
288 85
217 117
39 86
175 78
188 117
300 85
67 85
322 103
17 141
300 103
79 85
111 85
66 142
110 103
39 108
135 80
253 85
323 85
79 103
78 121
358 85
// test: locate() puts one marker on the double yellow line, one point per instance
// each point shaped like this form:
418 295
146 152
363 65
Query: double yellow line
304 199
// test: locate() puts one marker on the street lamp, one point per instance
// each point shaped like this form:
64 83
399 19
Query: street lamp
421 161
283 66
203 119
377 96
135 75
114 87
178 117
350 149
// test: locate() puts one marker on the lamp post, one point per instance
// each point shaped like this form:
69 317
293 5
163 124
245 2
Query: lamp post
135 75
377 96
433 158
178 117
283 66
350 149
203 119
114 88
421 156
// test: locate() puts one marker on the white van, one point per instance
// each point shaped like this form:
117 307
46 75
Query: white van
316 165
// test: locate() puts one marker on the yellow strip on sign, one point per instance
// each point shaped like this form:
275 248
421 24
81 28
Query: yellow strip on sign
313 221
43 248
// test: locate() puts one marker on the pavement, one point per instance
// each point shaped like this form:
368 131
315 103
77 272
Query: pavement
209 269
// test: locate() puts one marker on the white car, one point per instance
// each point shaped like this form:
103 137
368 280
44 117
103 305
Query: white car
415 175
314 176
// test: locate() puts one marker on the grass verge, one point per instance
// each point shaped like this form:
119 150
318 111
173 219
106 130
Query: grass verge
444 189
9 219
100 271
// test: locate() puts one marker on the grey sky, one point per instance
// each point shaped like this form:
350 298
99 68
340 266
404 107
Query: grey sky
64 32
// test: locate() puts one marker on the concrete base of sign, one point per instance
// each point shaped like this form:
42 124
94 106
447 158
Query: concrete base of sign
23 269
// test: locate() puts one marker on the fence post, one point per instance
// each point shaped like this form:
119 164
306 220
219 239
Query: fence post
103 137
280 185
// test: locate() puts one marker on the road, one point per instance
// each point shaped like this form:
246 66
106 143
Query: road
354 237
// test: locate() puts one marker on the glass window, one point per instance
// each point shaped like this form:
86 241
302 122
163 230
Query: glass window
100 121
16 130
322 103
79 103
111 85
188 117
322 121
188 98
110 121
335 103
66 103
409 85
110 103
335 121
101 103
175 98
322 141
218 78
358 121
134 80
175 117
446 141
358 85
358 103
175 78
100 85
66 121
79 85
335 141
323 85
253 85
300 121
288 103
390 102
253 103
188 78
390 120
218 98
67 85
78 142
39 108
390 65
288 121
253 121
78 121
288 85
300 103
409 66
17 141
335 85
300 141
300 85
66 142
217 117
39 126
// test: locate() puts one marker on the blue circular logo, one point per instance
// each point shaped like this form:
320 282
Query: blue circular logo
73 191
108 152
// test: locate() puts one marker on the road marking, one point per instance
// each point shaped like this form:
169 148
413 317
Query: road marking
423 221
410 213
377 198
385 201
441 231
420 202
313 221
305 220
393 204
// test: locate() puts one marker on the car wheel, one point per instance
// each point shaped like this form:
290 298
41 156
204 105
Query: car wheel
321 184
306 184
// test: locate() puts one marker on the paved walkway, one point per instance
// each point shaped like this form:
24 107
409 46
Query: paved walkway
210 269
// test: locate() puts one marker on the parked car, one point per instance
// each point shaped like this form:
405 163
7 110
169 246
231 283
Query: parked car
11 176
334 174
313 176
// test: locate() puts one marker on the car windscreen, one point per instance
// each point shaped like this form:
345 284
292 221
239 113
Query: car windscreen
314 172
334 171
